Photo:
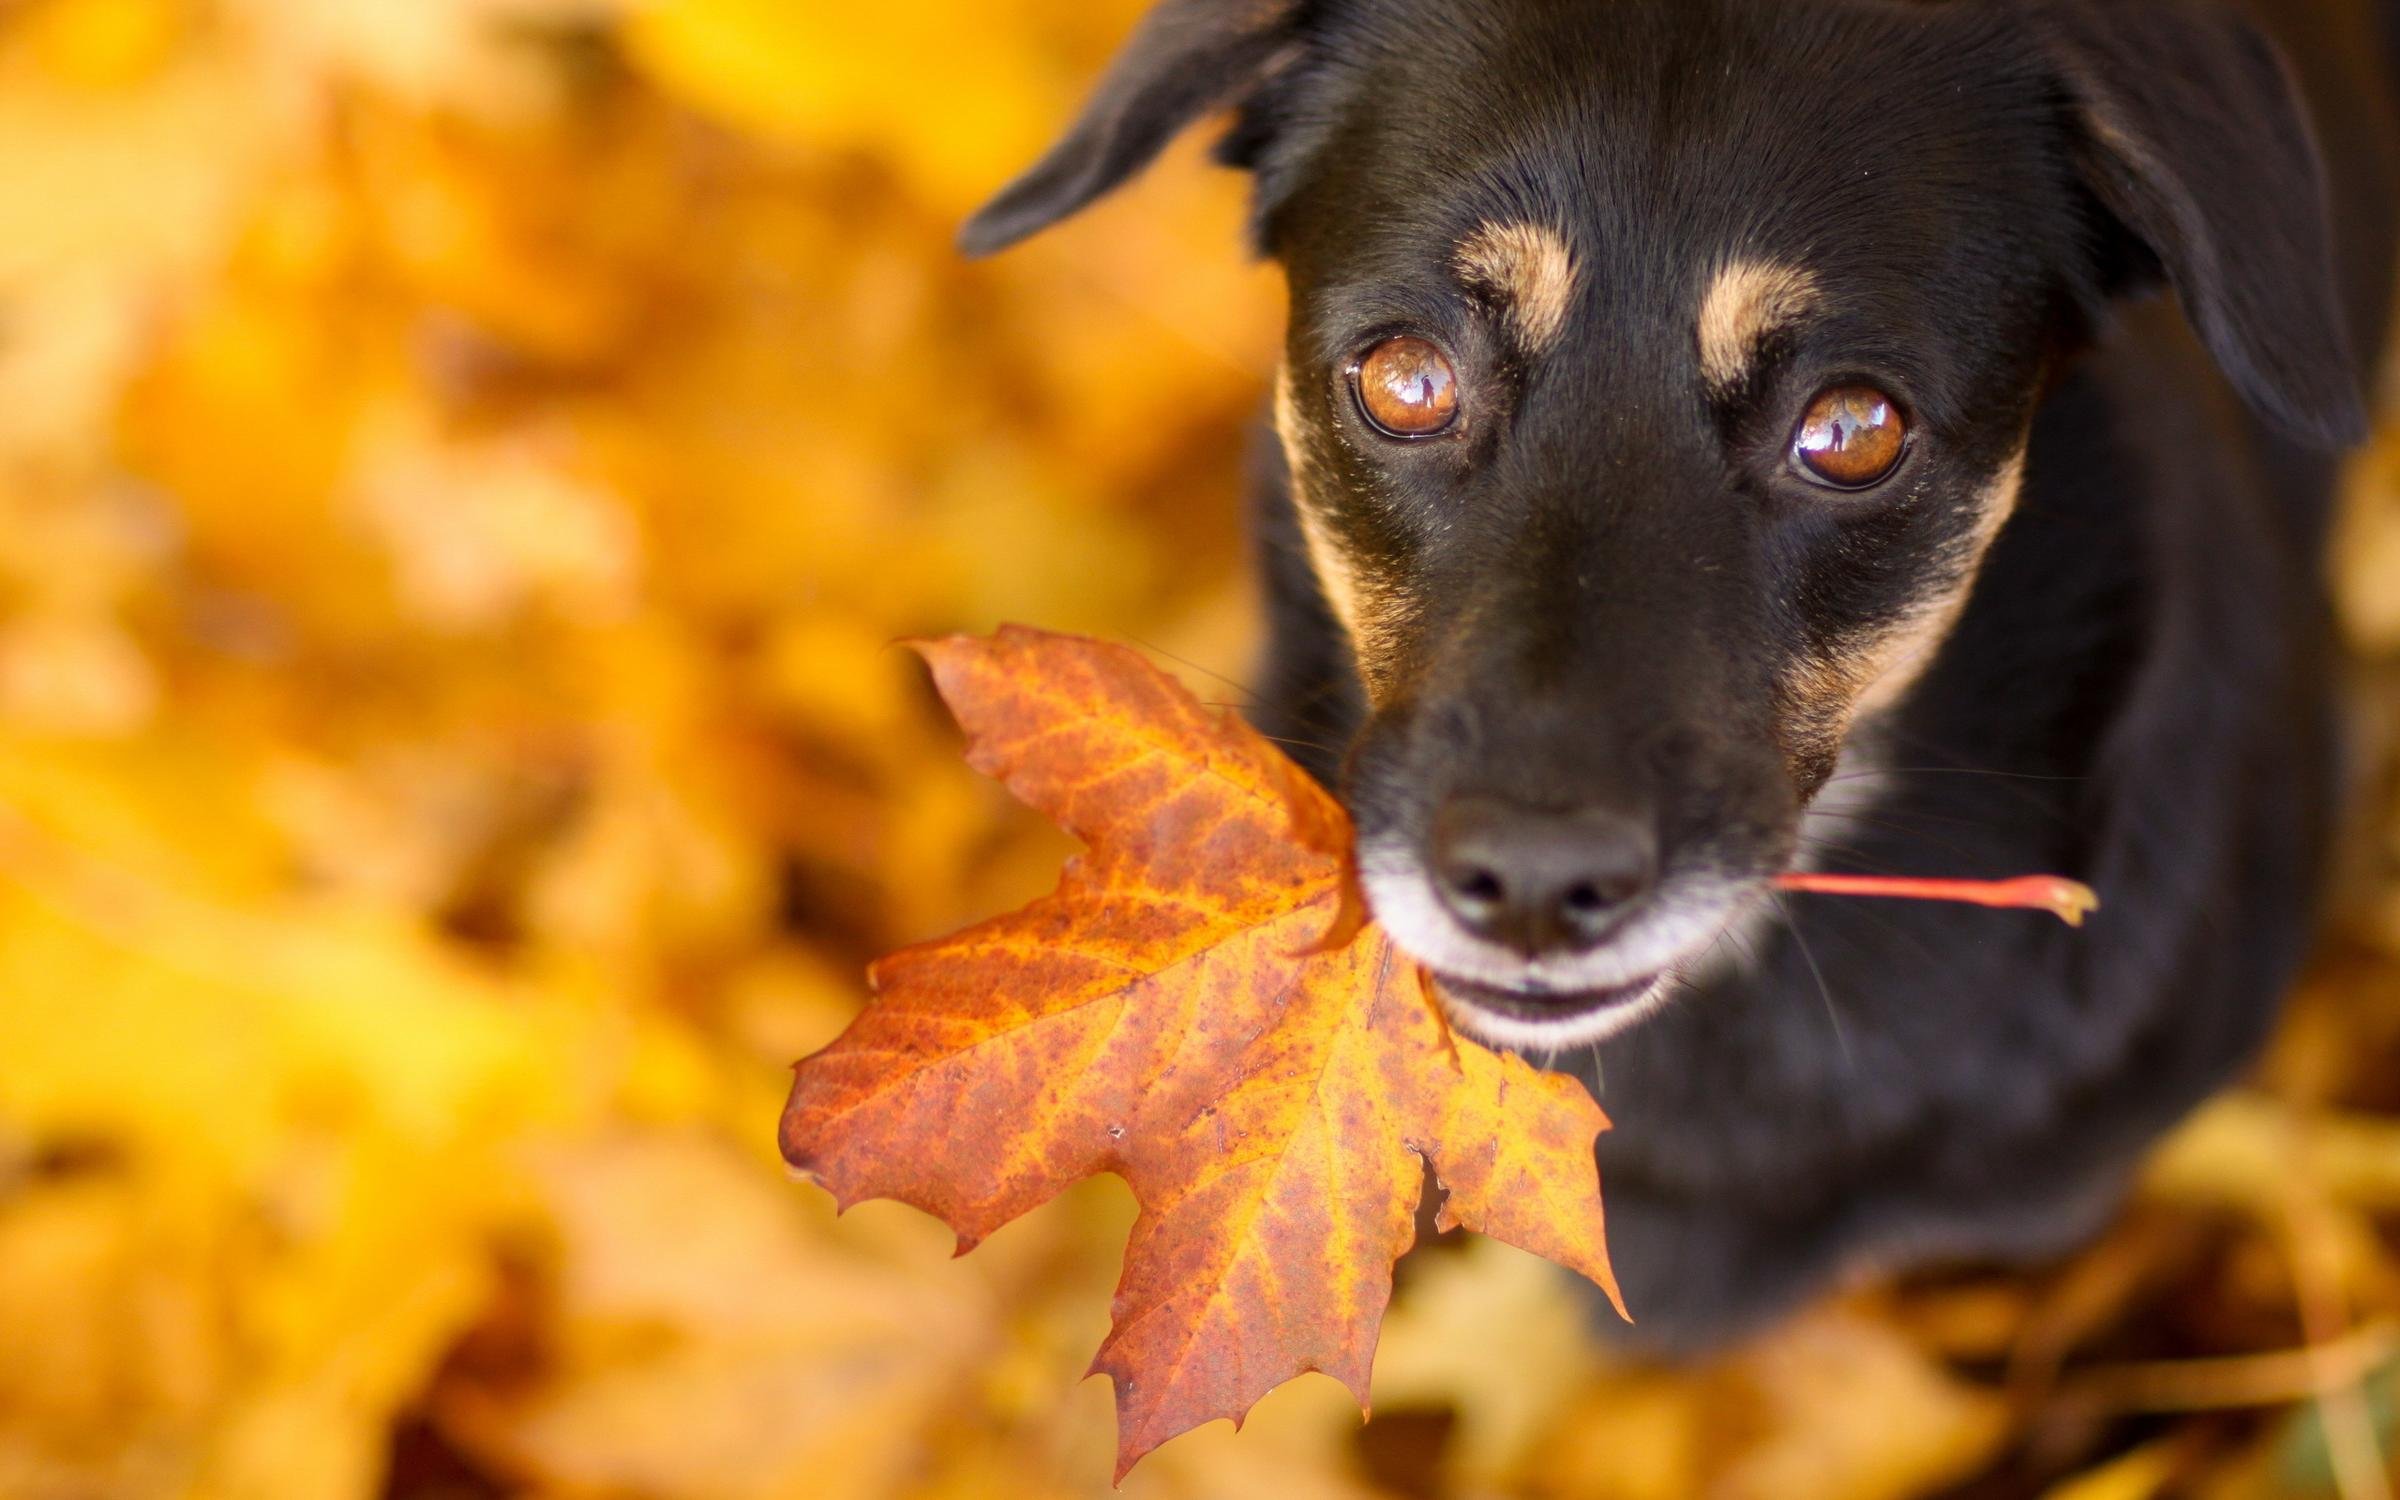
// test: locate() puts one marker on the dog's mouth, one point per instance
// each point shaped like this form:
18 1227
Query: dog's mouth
1547 1018
1550 1002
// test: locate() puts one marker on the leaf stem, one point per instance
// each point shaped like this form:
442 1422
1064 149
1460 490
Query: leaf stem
2068 900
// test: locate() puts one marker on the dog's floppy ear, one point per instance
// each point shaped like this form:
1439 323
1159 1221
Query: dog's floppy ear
2193 136
1187 57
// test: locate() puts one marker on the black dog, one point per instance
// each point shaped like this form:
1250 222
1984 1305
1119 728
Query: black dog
1722 435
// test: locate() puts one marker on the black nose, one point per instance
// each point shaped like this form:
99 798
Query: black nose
1539 882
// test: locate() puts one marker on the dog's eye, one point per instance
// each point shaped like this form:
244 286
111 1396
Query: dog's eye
1406 387
1850 438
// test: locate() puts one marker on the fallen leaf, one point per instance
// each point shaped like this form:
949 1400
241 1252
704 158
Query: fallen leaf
1438 1355
1834 1405
1195 1010
706 1343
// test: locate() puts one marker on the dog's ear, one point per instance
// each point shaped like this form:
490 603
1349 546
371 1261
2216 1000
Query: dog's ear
1187 57
2192 135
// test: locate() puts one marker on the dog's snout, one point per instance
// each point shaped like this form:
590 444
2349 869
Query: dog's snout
1539 881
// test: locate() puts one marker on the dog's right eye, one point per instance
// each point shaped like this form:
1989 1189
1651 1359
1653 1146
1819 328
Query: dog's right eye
1406 388
1850 438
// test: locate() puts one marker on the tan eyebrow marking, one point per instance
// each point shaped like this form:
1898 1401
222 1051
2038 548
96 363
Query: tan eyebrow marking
1369 614
1527 266
1748 300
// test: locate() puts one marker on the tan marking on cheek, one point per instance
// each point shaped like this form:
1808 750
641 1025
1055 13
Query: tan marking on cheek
1368 612
1528 267
1748 300
1874 674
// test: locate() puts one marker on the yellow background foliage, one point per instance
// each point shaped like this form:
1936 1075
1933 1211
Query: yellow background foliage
463 464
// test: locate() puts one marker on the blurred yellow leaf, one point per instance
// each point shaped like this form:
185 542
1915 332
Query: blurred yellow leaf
885 78
462 465
709 1344
100 44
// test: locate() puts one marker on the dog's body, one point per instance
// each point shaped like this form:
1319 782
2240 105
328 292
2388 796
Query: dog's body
2075 626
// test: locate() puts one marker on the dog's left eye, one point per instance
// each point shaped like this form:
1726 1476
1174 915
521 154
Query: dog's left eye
1851 437
1406 387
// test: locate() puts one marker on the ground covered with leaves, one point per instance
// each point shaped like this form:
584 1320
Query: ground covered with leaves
462 465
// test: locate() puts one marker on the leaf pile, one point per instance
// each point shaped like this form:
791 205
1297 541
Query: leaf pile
1194 1010
462 464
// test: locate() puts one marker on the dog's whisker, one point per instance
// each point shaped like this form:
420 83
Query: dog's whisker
1314 711
1841 1038
1946 760
1849 853
1256 699
1287 741
1885 918
1945 843
1209 672
1903 818
1875 771
1299 713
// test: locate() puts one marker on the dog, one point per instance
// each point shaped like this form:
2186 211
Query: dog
1725 436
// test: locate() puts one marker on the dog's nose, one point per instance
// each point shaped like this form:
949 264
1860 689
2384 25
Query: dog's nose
1538 881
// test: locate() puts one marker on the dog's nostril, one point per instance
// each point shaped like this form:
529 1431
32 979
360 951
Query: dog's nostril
1538 881
1479 885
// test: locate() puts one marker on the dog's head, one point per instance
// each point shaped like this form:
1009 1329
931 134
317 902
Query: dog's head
1660 372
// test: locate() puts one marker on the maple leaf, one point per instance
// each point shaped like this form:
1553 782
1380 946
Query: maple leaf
1197 1009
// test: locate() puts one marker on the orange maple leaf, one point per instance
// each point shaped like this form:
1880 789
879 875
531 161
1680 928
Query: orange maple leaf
1196 1010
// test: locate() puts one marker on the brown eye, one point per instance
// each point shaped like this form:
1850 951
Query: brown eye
1850 438
1407 388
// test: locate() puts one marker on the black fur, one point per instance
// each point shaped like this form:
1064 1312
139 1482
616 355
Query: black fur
1608 579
